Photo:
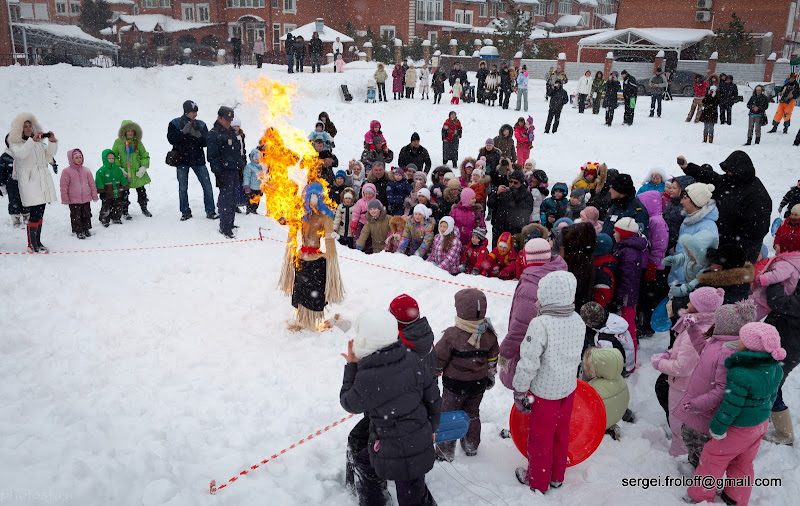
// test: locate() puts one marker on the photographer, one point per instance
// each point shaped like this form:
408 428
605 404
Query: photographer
33 150
188 136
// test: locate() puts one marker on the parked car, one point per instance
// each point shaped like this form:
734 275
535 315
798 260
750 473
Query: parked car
633 58
681 83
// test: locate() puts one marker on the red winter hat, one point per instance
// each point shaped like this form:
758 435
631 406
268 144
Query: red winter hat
405 309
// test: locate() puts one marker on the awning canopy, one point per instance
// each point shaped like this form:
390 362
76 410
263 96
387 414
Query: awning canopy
328 34
150 23
645 39
610 19
51 34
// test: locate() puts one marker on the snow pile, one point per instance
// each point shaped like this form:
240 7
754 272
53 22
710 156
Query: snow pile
136 377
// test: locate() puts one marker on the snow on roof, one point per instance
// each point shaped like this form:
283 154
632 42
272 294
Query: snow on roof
528 2
591 3
257 18
121 2
670 37
450 24
489 30
327 35
611 19
72 31
148 23
570 20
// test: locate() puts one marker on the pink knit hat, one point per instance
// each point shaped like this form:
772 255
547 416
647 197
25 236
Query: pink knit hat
466 195
762 337
707 299
590 214
537 251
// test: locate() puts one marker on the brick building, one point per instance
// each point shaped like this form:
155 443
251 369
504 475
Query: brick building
775 23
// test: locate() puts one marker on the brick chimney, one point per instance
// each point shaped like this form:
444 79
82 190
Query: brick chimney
319 25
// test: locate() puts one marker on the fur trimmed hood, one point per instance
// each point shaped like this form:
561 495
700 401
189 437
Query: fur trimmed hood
129 125
728 277
15 133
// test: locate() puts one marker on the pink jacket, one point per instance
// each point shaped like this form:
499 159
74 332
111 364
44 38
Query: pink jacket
658 236
783 268
465 218
77 183
683 357
360 208
523 310
706 386
339 65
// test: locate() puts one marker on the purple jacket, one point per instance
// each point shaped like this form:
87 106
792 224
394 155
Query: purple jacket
707 384
659 230
466 219
629 255
77 183
523 310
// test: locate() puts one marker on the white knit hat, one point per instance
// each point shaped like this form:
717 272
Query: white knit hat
423 210
375 329
700 193
451 224
627 224
448 176
424 192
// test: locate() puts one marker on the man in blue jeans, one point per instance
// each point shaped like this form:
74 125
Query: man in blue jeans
225 158
189 136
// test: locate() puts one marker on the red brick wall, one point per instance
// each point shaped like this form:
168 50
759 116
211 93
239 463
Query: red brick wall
5 36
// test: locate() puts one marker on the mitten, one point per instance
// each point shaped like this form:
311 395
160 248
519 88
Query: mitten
187 128
360 248
670 260
522 403
462 267
246 189
655 359
762 280
437 192
650 274
679 290
141 172
690 320
718 436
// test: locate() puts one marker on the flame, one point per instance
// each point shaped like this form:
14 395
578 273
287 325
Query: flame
289 160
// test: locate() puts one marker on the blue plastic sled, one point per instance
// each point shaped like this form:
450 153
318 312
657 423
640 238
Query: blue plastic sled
453 425
775 224
660 321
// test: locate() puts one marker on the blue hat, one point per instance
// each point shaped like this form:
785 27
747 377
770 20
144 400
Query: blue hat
342 174
604 245
562 220
322 208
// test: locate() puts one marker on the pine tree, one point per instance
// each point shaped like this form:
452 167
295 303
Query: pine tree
515 30
95 15
733 43
546 49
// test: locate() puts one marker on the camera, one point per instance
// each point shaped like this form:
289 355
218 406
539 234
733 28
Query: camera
46 136
504 163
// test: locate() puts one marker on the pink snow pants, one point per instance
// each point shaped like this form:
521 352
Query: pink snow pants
733 456
548 438
523 153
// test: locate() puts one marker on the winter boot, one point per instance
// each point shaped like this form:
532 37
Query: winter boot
127 216
711 139
81 235
26 217
749 141
16 220
145 211
652 113
727 499
42 247
785 128
522 475
705 137
774 128
784 432
758 139
468 448
31 237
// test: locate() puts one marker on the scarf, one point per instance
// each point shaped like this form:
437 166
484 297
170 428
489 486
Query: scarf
557 310
474 327
129 149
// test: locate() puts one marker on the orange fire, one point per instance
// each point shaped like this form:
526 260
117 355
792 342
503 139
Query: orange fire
289 160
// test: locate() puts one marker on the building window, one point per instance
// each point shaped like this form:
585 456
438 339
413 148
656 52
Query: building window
234 30
420 10
289 6
433 37
493 10
40 11
276 36
203 13
149 4
537 9
501 7
276 4
75 8
586 16
429 10
25 11
188 12
468 17
245 3
61 8
550 7
458 16
388 31
605 7
165 3
564 7
254 31
482 10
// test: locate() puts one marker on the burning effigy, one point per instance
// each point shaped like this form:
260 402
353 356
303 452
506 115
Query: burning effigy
296 196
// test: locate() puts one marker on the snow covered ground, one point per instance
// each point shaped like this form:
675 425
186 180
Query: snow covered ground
136 377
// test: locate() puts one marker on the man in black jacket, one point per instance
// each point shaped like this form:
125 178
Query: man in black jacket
742 201
416 154
188 135
483 73
457 73
630 89
236 44
315 48
514 207
728 93
299 53
506 87
225 159
289 45
558 99
785 317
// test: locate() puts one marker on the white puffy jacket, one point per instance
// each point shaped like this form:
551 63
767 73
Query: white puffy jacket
31 161
585 85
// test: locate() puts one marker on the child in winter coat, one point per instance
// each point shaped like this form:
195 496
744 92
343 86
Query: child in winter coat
341 220
501 261
418 183
456 90
523 134
677 363
577 203
555 206
655 180
654 277
373 133
335 190
629 250
591 215
320 133
709 113
549 356
418 234
112 185
706 386
339 63
475 252
396 226
753 377
77 191
446 249
605 270
466 357
603 368
588 178
397 190
251 183
373 235
359 213
783 268
673 212
608 330
478 186
437 84
134 160
791 199
467 215
692 261
787 237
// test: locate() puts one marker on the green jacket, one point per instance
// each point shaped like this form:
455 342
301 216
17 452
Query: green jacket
139 157
598 85
606 365
110 175
753 379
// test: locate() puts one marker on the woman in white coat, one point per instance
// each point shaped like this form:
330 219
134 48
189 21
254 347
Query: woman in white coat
33 151
424 82
584 89
411 81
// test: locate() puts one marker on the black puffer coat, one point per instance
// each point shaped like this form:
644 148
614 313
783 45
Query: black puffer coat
404 406
418 337
785 316
514 208
742 201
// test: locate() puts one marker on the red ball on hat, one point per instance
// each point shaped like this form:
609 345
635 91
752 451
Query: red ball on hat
405 309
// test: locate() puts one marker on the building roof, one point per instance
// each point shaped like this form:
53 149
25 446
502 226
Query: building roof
327 35
647 38
590 3
453 24
611 19
149 23
71 32
121 2
571 20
